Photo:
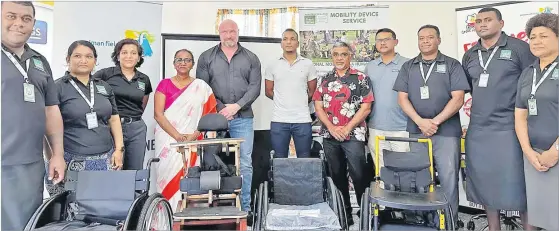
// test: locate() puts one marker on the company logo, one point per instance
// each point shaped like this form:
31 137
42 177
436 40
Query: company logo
468 107
39 34
470 23
144 38
545 10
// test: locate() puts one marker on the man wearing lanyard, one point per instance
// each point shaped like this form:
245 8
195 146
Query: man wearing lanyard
29 113
431 90
494 161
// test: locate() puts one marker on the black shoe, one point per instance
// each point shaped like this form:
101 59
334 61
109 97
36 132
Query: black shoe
250 218
349 222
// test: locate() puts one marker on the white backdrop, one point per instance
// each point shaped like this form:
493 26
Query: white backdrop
264 48
41 39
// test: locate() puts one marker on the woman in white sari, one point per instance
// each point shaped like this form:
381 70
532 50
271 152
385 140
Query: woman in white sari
180 102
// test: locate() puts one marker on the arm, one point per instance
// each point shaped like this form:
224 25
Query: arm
145 101
360 116
451 108
114 123
203 73
269 85
159 108
54 130
407 107
458 85
465 61
148 91
254 85
521 127
312 81
321 114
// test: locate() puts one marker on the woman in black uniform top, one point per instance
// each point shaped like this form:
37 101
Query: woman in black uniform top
131 88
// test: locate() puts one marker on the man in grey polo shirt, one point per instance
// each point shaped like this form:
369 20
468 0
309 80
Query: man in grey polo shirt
387 117
290 83
235 76
29 113
431 92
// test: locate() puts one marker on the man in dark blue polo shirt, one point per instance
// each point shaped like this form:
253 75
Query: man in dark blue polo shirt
431 92
29 113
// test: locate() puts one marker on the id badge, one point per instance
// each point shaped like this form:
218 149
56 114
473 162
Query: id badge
424 92
28 93
142 86
91 120
532 107
483 79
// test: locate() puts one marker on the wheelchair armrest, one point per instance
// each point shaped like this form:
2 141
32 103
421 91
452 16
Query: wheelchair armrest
408 201
41 216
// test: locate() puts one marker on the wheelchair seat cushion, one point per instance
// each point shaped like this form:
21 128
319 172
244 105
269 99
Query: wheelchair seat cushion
75 225
213 122
301 217
297 181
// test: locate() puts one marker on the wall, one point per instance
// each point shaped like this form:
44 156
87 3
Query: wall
405 18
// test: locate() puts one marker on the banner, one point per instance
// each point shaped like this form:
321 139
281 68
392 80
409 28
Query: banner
135 20
320 28
515 16
41 38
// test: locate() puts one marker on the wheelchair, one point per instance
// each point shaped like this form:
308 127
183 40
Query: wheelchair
299 196
211 191
409 196
104 200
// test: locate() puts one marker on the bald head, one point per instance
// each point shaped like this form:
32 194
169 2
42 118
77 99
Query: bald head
229 33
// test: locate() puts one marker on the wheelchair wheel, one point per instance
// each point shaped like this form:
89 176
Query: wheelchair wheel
343 214
365 208
156 214
256 221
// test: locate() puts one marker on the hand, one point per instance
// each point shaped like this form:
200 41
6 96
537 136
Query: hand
192 137
180 137
230 110
116 160
428 127
57 168
548 158
534 159
345 130
336 133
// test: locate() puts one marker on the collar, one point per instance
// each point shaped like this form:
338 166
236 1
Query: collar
67 76
536 64
503 38
118 71
239 49
395 60
28 52
299 57
350 71
439 58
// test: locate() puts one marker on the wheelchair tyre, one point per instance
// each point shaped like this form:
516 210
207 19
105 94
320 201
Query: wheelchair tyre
264 207
149 208
342 212
365 208
258 207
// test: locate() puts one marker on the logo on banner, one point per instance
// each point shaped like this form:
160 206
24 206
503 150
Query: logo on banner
39 34
144 38
546 10
468 107
470 23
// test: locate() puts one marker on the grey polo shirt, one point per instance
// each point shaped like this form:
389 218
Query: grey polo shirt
78 139
541 126
386 114
493 106
129 94
238 81
291 89
447 76
23 123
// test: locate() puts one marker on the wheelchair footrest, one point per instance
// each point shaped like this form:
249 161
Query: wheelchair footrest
210 213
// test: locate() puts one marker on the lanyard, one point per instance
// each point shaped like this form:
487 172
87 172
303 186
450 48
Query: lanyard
18 66
488 61
91 93
428 73
536 86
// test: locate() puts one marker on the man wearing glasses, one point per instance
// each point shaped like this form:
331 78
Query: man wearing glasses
387 117
342 102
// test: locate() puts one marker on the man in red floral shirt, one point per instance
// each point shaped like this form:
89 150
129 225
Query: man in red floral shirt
342 102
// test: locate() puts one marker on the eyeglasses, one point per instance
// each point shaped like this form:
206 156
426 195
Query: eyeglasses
383 40
181 60
336 54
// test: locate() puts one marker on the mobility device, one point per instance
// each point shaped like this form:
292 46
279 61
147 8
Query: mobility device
104 200
409 196
210 191
298 196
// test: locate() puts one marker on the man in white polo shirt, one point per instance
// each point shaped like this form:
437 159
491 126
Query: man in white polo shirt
290 83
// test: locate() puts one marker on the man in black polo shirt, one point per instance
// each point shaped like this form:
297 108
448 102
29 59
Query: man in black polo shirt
431 92
29 113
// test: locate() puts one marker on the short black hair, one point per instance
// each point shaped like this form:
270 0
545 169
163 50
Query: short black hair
548 20
429 26
387 30
75 44
491 9
291 30
24 3
120 45
184 50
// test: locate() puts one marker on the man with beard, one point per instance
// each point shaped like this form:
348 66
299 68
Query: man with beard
494 159
29 113
234 74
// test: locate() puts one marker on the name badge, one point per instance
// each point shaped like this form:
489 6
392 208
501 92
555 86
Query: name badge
555 74
424 92
91 119
28 92
505 54
141 86
101 89
441 68
38 64
483 80
532 107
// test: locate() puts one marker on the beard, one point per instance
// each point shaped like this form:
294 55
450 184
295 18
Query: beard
229 43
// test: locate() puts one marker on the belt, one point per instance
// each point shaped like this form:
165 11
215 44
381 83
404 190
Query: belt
127 120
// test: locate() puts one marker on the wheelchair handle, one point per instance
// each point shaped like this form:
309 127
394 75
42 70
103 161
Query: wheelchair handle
151 160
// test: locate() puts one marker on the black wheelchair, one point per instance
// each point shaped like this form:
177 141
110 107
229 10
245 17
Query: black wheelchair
104 200
299 196
409 196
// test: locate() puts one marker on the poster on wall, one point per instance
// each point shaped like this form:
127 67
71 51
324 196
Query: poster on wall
321 28
41 38
515 16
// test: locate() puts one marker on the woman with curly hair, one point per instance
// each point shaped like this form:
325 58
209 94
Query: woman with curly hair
537 123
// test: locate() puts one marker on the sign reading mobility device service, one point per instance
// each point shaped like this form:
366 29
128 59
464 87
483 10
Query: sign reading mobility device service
515 16
320 28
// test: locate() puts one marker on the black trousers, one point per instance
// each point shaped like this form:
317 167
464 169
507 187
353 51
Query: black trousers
344 156
134 135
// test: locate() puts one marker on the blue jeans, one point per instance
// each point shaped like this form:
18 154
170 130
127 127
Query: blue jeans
243 128
281 136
